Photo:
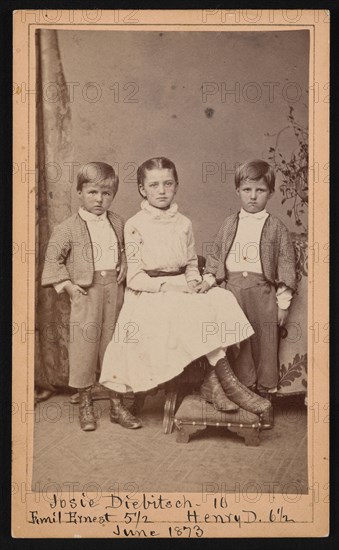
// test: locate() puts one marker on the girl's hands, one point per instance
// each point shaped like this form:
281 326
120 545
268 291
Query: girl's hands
202 287
72 289
193 285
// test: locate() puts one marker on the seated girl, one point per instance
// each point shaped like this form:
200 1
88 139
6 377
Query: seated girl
166 322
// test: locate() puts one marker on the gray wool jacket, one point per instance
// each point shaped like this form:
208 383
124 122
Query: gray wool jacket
277 252
69 254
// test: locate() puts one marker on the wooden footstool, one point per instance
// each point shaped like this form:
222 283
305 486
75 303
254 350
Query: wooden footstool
195 414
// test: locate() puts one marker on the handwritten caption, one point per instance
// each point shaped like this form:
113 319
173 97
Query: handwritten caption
146 515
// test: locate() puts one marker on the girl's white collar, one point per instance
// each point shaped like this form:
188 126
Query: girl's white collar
158 213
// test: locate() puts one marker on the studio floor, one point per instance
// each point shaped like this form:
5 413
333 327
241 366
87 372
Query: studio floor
150 461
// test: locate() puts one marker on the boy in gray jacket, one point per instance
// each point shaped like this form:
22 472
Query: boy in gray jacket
86 258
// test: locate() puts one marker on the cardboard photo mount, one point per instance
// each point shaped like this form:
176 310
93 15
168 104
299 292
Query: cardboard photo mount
39 515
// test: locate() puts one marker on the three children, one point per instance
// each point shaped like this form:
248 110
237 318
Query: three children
165 322
167 304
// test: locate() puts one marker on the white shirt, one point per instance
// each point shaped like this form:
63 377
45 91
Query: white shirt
104 243
244 254
160 240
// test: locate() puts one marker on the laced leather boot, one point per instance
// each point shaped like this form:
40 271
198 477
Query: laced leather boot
211 390
242 396
86 411
120 415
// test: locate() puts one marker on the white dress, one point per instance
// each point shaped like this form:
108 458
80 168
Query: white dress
159 333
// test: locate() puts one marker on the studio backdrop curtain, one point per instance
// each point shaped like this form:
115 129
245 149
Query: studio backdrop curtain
54 156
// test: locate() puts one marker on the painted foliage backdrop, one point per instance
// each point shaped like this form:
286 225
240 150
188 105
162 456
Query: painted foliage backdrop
206 100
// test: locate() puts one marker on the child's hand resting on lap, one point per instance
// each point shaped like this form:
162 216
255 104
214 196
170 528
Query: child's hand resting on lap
202 287
193 285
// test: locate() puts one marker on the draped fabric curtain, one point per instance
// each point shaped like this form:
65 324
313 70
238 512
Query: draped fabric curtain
293 345
54 155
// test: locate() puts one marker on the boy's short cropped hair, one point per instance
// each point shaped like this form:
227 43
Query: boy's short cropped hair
255 170
95 172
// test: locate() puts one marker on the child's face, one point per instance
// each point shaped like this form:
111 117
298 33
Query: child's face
159 187
97 197
254 195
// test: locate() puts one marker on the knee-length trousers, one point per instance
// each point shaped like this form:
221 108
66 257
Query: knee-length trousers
257 361
92 322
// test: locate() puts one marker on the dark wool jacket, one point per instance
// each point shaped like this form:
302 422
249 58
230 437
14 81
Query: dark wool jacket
277 252
69 253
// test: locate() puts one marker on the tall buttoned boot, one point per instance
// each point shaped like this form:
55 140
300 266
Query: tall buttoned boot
211 390
86 411
242 396
119 414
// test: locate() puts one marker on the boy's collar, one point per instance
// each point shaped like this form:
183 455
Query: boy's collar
89 217
257 215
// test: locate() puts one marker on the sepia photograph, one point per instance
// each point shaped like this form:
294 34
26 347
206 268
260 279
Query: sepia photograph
170 211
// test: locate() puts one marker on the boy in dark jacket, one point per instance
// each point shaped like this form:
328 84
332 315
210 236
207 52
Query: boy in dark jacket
254 255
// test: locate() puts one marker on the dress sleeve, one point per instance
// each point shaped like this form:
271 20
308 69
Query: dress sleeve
192 271
137 278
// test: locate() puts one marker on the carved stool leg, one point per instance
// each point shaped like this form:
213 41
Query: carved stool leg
249 434
169 410
185 431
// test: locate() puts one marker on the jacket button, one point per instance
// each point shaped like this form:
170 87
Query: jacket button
245 274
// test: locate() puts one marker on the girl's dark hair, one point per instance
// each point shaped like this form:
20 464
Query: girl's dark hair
94 172
157 162
255 170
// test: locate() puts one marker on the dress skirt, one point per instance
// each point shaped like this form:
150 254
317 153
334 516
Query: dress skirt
158 334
